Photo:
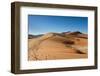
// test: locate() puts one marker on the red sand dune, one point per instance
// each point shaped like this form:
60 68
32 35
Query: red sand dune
53 46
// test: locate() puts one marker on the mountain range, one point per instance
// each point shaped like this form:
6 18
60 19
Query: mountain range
76 33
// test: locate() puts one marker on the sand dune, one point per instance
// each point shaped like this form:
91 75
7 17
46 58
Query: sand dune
53 46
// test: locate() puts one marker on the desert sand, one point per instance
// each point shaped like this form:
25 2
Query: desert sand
52 46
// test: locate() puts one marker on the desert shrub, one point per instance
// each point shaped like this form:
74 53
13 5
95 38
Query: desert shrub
69 42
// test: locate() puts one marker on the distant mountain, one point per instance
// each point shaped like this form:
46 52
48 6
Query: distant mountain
72 33
34 36
66 32
63 34
76 33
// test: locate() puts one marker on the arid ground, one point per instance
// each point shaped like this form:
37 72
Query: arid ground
52 46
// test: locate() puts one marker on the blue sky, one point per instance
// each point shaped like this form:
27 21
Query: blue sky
41 24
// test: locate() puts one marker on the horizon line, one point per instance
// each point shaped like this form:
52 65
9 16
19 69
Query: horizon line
58 32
